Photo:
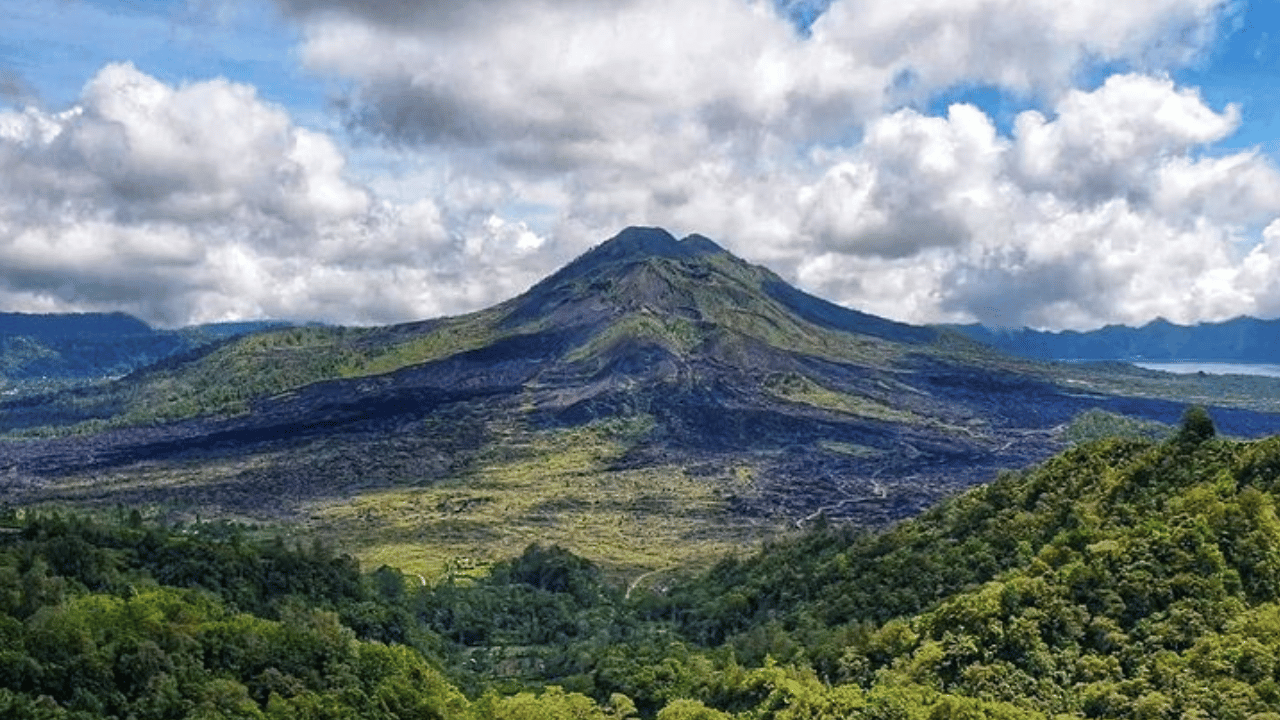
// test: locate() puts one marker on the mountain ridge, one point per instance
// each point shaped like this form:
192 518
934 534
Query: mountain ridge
1243 339
47 325
40 352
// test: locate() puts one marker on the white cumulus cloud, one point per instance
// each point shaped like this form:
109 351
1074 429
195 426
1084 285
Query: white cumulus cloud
496 140
202 202
814 152
1102 213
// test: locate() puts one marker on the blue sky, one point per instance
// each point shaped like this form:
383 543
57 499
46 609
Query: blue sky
1242 67
56 46
1015 163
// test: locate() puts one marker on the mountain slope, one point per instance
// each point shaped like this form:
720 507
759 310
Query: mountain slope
643 287
40 352
659 391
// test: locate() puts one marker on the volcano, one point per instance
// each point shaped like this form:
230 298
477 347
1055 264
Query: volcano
673 353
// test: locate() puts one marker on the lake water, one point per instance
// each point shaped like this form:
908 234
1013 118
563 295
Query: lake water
1213 368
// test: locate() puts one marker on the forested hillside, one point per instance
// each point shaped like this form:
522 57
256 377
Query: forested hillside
1124 578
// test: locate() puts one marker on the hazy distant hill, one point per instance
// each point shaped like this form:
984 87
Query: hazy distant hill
1242 340
73 347
48 326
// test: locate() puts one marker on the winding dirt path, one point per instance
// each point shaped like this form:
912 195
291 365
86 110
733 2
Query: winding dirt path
635 583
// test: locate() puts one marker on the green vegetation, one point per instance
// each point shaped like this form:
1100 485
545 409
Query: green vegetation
679 335
729 294
535 531
267 364
504 488
42 354
797 388
1125 578
556 486
1197 426
445 338
224 379
1094 425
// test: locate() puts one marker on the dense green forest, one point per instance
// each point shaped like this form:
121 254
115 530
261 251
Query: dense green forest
1126 578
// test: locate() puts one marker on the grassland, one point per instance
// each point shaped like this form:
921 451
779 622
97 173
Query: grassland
797 388
551 487
224 380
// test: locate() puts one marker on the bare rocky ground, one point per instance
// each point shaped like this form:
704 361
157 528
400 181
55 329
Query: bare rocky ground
420 426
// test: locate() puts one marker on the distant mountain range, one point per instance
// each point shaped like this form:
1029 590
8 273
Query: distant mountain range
1242 340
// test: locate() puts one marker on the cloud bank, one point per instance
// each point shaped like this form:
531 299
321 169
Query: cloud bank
526 131
203 202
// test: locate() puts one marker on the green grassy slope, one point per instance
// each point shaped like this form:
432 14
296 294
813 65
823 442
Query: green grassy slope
40 353
223 379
